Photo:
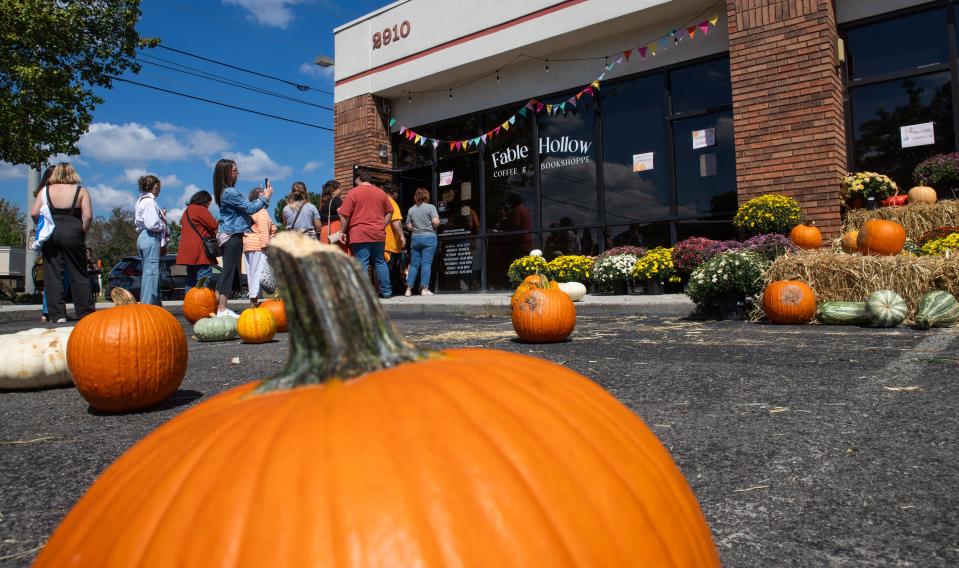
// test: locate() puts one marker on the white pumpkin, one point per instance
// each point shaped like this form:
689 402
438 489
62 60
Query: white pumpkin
574 290
34 358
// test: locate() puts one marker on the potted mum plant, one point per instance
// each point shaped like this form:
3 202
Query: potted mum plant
527 266
857 188
724 283
940 171
612 273
571 268
655 267
770 213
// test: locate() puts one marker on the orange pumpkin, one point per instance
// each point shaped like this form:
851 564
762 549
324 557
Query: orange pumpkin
256 325
278 309
789 302
544 315
128 357
531 281
198 303
881 237
470 457
922 194
806 236
848 242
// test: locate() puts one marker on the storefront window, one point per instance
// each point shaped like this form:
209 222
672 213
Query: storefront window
880 110
705 162
501 252
567 155
700 87
900 44
457 198
636 162
647 235
460 265
510 175
570 241
719 230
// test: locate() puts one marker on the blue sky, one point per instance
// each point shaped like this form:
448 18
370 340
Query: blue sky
138 130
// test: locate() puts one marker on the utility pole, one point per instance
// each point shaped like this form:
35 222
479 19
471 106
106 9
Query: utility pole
33 180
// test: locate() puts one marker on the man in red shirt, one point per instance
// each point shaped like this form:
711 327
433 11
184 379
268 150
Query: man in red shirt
364 216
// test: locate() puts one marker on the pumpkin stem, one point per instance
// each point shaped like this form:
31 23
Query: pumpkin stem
337 328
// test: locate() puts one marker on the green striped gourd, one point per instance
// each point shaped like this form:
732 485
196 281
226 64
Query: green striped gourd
215 329
843 313
937 309
886 308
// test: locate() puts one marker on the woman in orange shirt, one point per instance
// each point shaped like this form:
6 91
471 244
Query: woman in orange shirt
254 243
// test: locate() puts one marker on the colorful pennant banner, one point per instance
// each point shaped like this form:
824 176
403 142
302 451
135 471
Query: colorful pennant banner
674 37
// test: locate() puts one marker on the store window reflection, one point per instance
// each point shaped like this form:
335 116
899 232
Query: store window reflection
566 240
908 42
705 158
701 87
458 173
501 252
647 235
510 175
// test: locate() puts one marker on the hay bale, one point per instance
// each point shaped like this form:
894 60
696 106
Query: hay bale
852 277
917 218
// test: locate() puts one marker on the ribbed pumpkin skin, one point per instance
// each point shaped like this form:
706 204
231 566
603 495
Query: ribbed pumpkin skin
215 329
198 303
881 237
886 308
531 281
848 242
937 309
256 325
127 357
278 309
789 302
843 313
426 464
806 237
923 194
544 316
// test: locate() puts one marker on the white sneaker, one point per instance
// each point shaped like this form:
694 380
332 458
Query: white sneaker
425 293
228 313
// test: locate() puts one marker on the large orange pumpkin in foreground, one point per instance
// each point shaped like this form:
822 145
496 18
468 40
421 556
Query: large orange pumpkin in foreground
881 237
278 309
542 313
806 236
199 302
127 358
789 302
367 451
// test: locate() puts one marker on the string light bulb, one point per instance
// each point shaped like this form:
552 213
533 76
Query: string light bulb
547 65
409 96
497 75
451 94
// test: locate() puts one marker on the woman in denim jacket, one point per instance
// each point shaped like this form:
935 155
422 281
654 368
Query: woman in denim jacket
235 212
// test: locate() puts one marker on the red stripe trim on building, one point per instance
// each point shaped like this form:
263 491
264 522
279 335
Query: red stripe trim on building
464 39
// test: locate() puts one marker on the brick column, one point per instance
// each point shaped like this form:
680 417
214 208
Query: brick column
788 103
359 129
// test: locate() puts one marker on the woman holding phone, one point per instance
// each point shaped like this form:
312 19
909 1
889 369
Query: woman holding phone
235 221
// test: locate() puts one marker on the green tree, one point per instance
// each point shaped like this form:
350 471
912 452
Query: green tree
173 244
315 199
53 56
12 224
113 238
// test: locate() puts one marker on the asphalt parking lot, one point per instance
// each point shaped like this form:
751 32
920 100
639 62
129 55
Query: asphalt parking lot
806 446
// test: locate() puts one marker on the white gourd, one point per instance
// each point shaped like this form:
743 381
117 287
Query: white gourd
35 358
574 290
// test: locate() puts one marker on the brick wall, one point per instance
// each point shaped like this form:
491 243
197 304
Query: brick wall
359 129
788 103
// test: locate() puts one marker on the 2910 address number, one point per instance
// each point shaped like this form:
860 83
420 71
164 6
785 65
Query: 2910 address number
391 35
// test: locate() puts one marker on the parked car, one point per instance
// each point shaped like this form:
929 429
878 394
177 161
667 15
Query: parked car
126 274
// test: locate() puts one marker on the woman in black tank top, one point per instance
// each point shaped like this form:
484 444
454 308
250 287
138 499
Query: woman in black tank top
65 250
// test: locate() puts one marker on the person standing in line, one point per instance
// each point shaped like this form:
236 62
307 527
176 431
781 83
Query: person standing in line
364 215
330 201
65 250
299 214
196 224
152 234
235 211
422 220
254 243
395 242
93 269
44 180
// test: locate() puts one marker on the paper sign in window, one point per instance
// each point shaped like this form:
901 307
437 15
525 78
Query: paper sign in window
704 138
643 162
917 134
446 178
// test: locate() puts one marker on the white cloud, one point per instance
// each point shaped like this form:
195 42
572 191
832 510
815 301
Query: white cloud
133 142
106 198
187 193
133 175
312 165
10 172
315 71
257 165
273 13
174 215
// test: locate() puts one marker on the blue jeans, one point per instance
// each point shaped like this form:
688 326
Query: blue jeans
363 252
422 249
196 271
148 245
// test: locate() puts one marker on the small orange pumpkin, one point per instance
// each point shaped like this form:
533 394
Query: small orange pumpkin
848 242
789 302
278 309
256 325
881 237
806 236
198 303
128 357
531 281
922 194
543 313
